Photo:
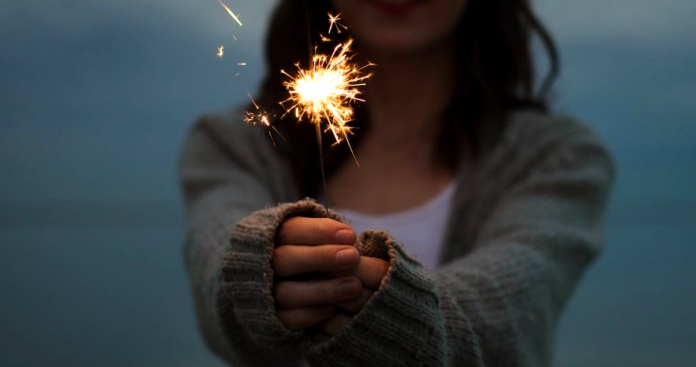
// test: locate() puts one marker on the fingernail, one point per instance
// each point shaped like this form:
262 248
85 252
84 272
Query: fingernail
348 289
348 256
345 236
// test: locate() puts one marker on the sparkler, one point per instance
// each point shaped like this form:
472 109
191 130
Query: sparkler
261 118
323 93
229 11
333 22
326 91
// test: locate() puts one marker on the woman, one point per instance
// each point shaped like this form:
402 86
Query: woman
499 205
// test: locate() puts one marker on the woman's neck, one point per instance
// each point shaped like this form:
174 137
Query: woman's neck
407 95
406 99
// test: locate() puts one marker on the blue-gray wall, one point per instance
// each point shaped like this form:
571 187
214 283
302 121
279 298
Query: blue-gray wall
96 97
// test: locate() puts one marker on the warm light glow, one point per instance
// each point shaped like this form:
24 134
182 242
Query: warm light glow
324 38
326 91
333 22
260 118
221 51
229 11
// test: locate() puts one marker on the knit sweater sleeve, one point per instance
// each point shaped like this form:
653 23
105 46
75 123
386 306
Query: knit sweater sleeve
228 172
498 305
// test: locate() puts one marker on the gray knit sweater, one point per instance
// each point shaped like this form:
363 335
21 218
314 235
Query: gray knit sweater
527 219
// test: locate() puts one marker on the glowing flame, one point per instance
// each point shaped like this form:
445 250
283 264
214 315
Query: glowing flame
221 51
326 91
229 11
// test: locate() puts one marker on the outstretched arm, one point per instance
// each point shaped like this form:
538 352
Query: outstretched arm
498 305
227 172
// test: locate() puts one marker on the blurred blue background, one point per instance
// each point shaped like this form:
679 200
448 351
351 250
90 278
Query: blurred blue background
96 98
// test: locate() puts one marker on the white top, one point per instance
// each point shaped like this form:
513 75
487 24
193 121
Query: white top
420 230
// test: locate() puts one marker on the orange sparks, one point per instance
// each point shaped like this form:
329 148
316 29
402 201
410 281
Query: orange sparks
333 22
229 11
326 91
261 118
324 38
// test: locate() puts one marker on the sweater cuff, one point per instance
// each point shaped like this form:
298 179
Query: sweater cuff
401 322
245 291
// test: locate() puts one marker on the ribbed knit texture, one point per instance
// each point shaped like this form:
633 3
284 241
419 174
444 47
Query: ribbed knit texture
527 219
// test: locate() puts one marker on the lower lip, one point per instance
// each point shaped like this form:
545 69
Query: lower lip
396 9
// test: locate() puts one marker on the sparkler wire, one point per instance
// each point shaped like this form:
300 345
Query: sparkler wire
310 59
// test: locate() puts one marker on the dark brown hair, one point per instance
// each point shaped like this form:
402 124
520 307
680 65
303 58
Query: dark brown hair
498 76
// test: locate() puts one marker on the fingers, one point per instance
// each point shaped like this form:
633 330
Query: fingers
314 231
302 318
357 304
291 260
293 294
335 324
370 271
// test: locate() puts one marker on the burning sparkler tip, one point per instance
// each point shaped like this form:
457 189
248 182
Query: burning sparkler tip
326 91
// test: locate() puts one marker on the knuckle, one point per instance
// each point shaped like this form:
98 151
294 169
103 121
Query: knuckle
317 257
327 290
328 227
278 260
287 229
289 319
280 292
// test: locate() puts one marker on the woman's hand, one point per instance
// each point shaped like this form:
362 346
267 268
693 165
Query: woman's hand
370 271
320 246
345 279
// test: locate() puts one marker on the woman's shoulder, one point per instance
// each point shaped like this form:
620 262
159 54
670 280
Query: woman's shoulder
229 123
228 131
533 129
226 138
533 139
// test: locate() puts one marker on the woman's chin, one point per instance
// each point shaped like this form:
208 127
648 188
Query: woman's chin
396 44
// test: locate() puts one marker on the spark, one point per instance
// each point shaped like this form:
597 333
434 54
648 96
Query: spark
221 51
324 38
234 38
241 64
333 22
326 91
261 118
235 17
